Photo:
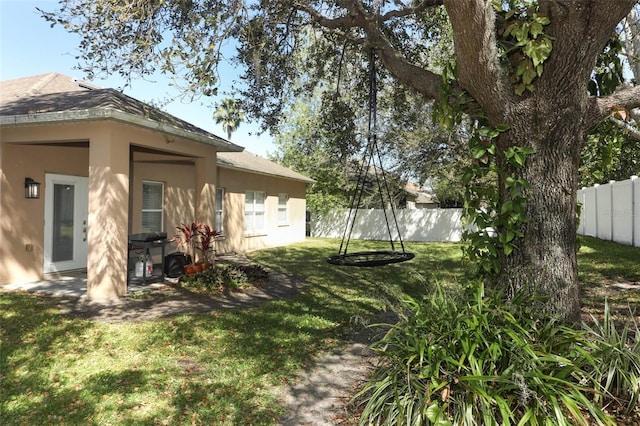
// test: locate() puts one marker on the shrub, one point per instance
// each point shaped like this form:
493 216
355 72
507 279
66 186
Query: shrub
223 276
476 360
618 352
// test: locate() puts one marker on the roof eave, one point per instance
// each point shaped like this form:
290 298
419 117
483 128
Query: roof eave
244 169
113 114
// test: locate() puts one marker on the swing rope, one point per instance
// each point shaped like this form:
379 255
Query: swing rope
371 258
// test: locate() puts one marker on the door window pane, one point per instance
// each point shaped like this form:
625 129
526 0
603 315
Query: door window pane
63 210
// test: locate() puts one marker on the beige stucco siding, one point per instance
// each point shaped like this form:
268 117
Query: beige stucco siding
179 189
102 153
117 157
22 220
235 184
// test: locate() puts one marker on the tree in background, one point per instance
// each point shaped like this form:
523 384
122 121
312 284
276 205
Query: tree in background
303 146
612 150
520 73
229 113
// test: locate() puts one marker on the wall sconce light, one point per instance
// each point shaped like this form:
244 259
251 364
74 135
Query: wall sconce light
31 188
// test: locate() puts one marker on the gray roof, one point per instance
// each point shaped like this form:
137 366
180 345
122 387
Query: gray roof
248 161
57 98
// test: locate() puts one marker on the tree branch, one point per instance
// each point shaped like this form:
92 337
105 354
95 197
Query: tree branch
425 82
599 108
628 128
415 10
473 23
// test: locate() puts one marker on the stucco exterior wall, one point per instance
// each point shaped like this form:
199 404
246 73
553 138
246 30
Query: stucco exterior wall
116 157
22 221
102 153
235 184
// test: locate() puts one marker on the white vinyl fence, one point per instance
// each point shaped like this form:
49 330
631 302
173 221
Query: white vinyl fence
612 211
434 225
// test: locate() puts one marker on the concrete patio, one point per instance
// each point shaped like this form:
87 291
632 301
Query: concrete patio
74 285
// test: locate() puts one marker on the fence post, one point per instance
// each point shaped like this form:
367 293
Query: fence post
634 217
595 200
611 182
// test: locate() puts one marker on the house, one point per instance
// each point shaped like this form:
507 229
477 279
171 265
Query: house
82 168
419 198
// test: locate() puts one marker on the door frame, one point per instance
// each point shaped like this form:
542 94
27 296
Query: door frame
80 214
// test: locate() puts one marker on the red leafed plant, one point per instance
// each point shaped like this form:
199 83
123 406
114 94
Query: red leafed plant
207 237
186 236
196 235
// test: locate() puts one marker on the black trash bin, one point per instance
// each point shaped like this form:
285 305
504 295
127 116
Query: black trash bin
174 264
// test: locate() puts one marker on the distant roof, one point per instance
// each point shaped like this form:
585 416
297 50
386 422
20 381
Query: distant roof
55 97
246 160
425 198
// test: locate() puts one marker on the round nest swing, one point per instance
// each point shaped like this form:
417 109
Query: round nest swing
374 257
370 258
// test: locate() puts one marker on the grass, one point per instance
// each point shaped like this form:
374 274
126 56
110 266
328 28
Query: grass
221 367
609 271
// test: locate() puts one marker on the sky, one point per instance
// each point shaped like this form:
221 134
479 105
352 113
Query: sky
29 46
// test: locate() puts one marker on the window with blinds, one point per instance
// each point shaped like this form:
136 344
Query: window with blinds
152 203
254 210
283 214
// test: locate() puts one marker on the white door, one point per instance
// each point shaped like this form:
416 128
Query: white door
66 205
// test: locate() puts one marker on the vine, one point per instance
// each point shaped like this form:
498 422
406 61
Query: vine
495 192
522 40
494 222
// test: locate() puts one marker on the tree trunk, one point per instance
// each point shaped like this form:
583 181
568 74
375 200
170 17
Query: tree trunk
554 120
544 262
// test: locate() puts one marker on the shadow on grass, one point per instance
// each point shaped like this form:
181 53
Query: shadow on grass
610 271
212 368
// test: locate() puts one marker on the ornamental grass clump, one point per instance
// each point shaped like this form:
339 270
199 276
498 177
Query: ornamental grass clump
618 352
477 360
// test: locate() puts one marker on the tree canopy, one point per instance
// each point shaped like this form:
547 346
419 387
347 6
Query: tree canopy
520 72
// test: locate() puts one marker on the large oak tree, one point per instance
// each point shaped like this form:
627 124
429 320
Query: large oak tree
531 77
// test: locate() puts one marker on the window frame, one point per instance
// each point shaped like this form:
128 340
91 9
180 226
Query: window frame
144 210
283 221
250 228
219 210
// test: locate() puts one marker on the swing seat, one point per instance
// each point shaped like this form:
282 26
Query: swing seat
370 258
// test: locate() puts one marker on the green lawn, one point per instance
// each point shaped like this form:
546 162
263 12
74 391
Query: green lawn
221 367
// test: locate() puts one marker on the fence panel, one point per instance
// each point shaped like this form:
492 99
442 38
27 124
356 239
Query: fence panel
423 225
603 212
635 193
612 211
622 212
589 217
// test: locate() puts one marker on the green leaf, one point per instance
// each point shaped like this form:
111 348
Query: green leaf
508 249
507 207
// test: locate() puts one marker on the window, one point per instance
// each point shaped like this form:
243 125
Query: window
219 208
152 202
283 215
254 212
